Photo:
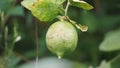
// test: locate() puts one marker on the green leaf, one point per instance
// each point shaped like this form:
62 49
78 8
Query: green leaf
111 41
28 3
81 4
105 64
43 10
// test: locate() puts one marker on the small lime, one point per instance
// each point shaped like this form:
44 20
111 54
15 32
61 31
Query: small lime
61 38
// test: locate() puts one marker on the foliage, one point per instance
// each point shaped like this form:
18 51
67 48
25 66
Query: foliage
40 8
81 4
111 41
98 47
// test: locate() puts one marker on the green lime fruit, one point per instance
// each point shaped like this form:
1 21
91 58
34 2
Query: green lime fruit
61 38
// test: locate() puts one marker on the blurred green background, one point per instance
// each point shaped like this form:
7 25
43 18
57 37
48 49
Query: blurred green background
101 41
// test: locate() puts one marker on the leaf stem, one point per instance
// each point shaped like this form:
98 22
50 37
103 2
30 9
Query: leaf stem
67 6
79 26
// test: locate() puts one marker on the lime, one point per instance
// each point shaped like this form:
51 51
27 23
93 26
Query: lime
61 38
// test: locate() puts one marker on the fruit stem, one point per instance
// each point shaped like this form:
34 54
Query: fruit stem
67 6
61 18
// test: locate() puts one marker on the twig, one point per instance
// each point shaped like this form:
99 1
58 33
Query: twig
67 6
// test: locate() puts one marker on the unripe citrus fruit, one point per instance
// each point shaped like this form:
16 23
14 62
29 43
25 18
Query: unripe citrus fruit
61 38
